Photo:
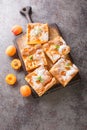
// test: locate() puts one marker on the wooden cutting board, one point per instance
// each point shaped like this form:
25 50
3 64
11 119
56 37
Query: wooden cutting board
54 31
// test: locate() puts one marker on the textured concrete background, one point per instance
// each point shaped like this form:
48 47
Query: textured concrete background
64 109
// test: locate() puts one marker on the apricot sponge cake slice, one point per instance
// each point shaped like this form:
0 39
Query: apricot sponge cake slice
56 48
40 80
37 33
64 70
33 56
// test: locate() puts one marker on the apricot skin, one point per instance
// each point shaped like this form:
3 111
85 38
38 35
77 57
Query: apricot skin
25 90
10 51
16 29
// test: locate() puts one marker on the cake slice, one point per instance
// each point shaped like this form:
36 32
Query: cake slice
33 56
64 70
56 48
37 33
40 80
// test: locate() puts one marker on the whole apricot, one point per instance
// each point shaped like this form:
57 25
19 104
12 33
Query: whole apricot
10 79
25 90
10 50
16 29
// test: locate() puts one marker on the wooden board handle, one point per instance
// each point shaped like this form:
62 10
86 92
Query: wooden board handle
27 11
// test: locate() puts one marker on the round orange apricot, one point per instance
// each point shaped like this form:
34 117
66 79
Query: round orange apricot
11 50
10 79
25 90
16 29
16 64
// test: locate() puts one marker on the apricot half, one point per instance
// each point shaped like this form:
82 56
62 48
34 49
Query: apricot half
25 90
16 64
16 29
10 79
11 50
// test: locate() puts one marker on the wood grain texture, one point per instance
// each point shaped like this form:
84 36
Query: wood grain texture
64 109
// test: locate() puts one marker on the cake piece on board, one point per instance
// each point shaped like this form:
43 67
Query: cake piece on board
33 56
56 48
37 33
64 70
40 80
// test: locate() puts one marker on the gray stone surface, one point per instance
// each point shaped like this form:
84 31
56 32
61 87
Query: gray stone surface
65 109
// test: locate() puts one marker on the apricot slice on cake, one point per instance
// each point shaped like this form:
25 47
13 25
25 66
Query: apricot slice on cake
25 90
10 79
11 50
16 64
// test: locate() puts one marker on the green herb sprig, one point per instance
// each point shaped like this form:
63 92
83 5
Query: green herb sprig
57 46
68 64
31 57
39 78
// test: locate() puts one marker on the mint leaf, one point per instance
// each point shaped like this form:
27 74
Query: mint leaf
57 46
31 57
39 78
68 64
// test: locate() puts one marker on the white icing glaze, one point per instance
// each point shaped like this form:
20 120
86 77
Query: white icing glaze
56 56
35 84
35 31
75 66
40 71
71 71
60 61
63 41
61 48
37 55
52 47
44 74
65 77
44 36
